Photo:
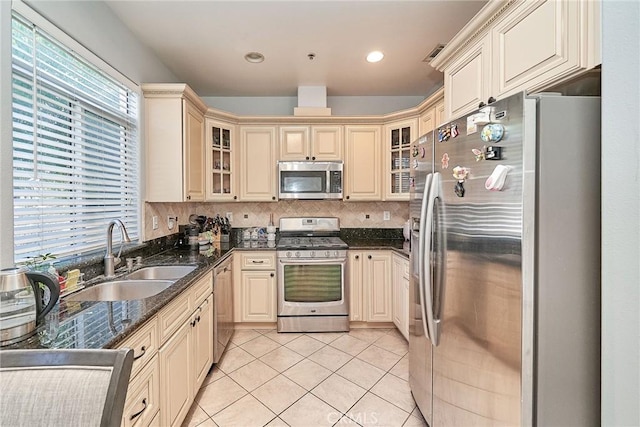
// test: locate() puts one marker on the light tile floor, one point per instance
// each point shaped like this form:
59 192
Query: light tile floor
359 378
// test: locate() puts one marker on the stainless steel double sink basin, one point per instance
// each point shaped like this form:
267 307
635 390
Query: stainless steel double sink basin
140 284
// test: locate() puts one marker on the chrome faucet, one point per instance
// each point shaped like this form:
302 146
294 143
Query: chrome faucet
111 261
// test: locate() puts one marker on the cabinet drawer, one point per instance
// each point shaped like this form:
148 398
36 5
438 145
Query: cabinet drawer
174 315
143 397
201 290
144 344
258 261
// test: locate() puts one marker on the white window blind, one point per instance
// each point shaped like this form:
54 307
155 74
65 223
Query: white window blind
75 148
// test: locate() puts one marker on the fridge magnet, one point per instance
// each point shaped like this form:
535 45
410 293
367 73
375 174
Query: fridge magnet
493 153
423 152
415 163
454 130
496 180
412 182
459 189
444 134
492 132
414 153
445 161
461 173
478 153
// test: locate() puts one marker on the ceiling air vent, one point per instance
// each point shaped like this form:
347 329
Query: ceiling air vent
436 50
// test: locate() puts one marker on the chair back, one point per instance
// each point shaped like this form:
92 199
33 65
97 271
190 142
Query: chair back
64 387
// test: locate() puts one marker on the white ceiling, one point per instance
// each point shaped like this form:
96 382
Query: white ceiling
204 43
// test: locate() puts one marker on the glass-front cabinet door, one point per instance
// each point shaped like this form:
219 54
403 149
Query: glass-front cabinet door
220 160
399 136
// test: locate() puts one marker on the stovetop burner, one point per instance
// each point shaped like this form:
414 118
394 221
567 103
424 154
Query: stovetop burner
294 242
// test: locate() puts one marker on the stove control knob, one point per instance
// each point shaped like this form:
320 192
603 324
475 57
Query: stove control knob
327 254
288 254
298 254
312 254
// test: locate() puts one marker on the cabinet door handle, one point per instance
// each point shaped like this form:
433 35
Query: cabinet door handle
143 350
193 323
273 197
482 104
307 158
137 414
188 197
491 100
369 256
272 274
198 318
357 256
235 197
313 158
257 262
347 197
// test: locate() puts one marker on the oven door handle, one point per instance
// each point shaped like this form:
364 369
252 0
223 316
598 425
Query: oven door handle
312 260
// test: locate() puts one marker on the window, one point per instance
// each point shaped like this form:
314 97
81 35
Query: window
75 148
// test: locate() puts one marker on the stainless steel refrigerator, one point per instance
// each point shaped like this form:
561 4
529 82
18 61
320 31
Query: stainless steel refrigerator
505 261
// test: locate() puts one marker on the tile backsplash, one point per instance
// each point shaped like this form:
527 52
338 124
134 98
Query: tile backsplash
351 214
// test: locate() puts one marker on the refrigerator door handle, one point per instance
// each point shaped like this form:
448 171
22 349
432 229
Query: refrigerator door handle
428 292
422 255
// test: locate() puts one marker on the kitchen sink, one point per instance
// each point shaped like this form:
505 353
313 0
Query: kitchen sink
162 272
119 290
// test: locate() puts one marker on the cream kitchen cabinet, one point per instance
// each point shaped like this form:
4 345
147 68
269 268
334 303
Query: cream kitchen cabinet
431 118
174 143
314 143
258 156
255 286
398 138
370 282
363 164
400 284
529 45
186 355
143 394
220 163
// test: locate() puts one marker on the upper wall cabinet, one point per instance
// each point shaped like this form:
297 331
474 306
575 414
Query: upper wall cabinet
220 164
398 139
319 143
431 118
174 143
363 163
258 164
510 46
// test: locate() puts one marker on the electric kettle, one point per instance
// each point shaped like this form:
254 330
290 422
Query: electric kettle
21 305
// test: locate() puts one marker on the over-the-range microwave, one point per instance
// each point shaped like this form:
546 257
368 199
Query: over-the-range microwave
309 180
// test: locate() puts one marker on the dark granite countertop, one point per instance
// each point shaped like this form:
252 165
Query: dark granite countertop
101 324
105 324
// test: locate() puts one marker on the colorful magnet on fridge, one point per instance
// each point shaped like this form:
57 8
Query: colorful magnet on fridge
496 180
459 189
445 161
461 173
414 152
412 182
423 152
478 153
492 132
415 164
454 130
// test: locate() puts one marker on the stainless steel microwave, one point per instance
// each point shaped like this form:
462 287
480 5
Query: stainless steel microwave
310 180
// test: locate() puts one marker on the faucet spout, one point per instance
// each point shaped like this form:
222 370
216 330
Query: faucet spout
111 261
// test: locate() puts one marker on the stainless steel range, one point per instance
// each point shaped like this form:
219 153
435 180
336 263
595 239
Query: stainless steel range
312 260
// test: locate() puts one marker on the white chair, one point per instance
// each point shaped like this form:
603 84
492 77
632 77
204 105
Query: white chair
63 387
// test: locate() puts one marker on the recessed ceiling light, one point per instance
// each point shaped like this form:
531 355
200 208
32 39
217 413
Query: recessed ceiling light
254 57
375 56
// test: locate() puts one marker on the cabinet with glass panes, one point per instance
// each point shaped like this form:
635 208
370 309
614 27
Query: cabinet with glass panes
399 136
220 160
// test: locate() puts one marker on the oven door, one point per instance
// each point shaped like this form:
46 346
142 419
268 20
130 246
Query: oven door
312 287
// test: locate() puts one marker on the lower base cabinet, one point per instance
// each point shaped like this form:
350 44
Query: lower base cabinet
370 286
400 274
255 289
173 353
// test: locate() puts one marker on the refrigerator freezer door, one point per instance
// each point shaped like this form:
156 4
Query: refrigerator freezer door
477 364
